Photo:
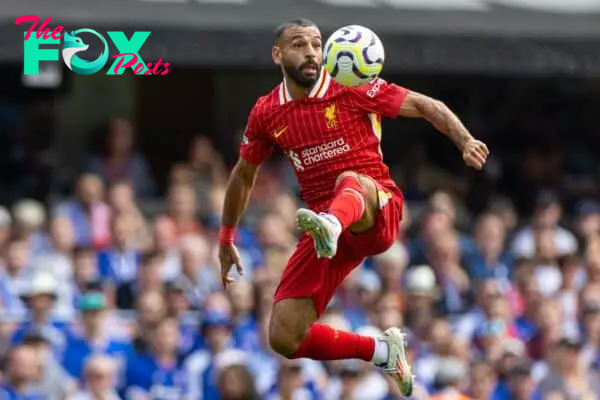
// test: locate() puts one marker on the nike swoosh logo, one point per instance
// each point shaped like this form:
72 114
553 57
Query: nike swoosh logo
278 133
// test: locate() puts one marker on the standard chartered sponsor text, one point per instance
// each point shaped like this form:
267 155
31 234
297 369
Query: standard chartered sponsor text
324 151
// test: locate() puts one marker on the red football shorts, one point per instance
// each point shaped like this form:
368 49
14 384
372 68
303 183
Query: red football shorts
307 276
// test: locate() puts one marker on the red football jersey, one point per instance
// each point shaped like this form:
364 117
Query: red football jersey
335 129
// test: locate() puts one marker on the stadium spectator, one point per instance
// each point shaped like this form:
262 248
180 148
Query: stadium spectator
54 381
94 338
40 296
547 214
122 200
119 162
100 379
151 309
119 263
13 279
181 209
5 227
21 373
159 373
236 383
147 278
88 212
567 377
29 224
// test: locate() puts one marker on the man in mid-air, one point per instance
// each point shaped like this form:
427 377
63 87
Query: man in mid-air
331 135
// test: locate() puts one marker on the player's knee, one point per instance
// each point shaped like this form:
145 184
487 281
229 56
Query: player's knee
346 174
284 339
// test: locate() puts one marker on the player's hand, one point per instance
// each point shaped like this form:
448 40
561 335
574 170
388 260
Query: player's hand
228 257
475 154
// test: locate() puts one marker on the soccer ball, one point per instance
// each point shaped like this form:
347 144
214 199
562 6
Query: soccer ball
353 55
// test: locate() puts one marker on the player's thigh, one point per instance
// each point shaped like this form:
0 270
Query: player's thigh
290 321
309 277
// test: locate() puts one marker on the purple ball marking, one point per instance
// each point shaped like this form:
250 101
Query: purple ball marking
365 52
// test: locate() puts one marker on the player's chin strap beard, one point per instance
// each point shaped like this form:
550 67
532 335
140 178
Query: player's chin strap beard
302 81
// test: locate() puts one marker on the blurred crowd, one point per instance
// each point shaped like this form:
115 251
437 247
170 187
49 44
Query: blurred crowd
102 299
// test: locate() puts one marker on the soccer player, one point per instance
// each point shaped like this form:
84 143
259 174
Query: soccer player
331 135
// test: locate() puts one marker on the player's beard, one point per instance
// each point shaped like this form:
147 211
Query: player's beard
299 77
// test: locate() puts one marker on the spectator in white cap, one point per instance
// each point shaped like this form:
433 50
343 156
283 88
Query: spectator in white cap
421 292
40 297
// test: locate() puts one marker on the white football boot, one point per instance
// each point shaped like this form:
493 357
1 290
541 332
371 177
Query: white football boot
397 366
325 230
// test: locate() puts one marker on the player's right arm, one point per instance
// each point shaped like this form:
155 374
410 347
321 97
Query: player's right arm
254 149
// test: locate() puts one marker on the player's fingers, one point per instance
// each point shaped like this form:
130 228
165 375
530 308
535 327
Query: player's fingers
224 273
474 162
482 150
240 269
478 158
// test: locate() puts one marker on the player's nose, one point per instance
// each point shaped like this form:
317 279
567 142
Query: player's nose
311 53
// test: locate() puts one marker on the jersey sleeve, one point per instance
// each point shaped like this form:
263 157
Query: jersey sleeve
380 97
256 146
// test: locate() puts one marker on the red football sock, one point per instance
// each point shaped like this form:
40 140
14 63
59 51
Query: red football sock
348 203
325 343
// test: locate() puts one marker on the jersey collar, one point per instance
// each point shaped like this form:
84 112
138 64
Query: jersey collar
318 90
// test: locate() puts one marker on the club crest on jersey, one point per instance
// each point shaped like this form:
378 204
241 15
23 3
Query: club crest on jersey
330 117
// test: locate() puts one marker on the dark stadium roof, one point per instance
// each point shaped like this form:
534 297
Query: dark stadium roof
493 17
464 36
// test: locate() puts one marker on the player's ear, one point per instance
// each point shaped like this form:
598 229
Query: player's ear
276 54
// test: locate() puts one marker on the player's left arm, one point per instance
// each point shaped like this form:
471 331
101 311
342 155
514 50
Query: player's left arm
391 100
417 105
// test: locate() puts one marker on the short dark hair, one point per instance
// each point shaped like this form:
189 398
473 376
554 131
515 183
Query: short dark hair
150 256
83 250
295 22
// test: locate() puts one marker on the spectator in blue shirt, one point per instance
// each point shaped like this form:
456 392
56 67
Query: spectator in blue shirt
148 279
487 258
22 372
159 373
217 337
40 296
178 306
120 262
245 324
94 340
520 384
